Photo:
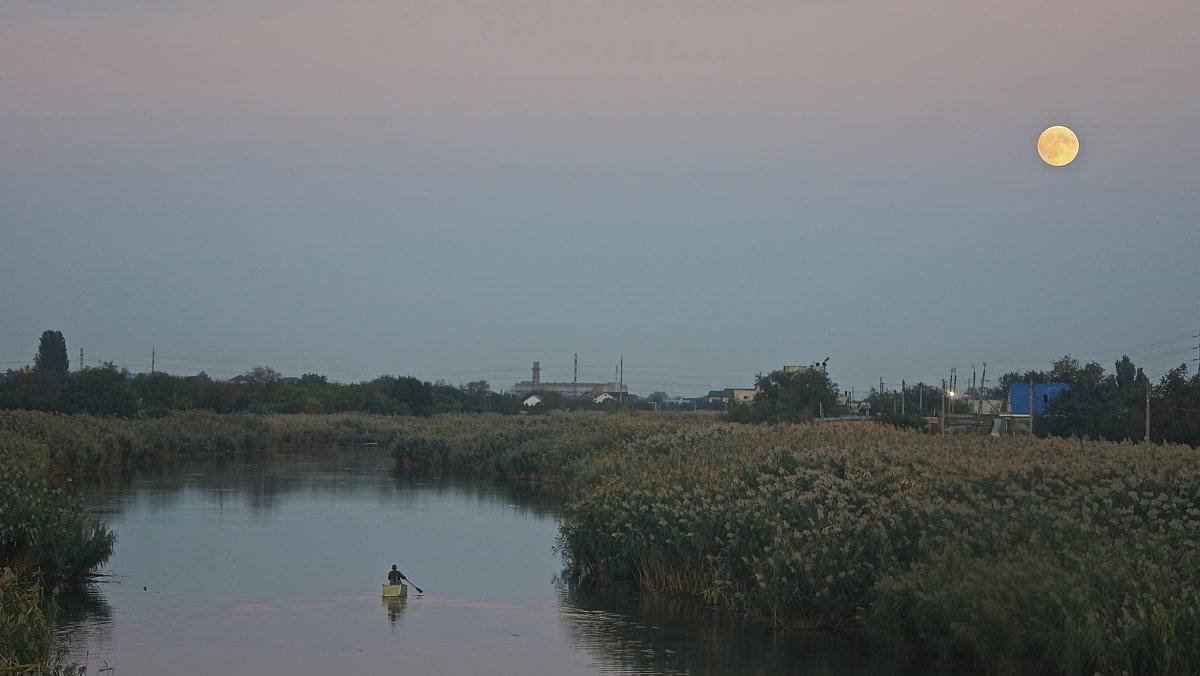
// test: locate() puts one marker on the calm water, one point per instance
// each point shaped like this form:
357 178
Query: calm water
273 565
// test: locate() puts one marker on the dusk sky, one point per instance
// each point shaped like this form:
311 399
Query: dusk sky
455 189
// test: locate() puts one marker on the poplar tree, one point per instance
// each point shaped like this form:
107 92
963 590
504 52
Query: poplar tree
51 358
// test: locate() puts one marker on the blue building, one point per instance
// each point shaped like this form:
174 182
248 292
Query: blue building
1018 396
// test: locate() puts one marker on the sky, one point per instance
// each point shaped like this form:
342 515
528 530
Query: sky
701 190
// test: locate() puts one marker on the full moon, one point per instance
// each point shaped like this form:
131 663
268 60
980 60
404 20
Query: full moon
1058 146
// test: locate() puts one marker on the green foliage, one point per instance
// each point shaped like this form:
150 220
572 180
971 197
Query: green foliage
793 396
1034 556
26 625
99 390
912 421
1175 407
157 393
43 528
46 537
740 412
295 399
51 357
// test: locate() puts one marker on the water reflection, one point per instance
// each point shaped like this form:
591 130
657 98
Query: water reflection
395 606
265 481
84 606
646 634
274 561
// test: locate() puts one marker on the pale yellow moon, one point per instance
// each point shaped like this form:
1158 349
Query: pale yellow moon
1058 146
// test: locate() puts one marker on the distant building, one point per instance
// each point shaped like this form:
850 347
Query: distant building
569 390
603 397
742 396
815 366
716 398
1018 396
533 401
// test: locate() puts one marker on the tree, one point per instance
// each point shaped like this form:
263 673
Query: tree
312 380
476 395
158 392
99 390
51 356
262 376
550 400
295 399
793 396
1175 408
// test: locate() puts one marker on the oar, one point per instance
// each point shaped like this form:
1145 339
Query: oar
419 590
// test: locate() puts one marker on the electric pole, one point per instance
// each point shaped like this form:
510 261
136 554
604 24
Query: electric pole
982 380
903 388
1031 408
151 359
942 422
575 378
1147 410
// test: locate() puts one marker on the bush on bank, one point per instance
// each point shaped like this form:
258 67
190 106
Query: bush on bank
47 539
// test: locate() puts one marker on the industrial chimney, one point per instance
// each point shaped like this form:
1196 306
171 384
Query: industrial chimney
537 376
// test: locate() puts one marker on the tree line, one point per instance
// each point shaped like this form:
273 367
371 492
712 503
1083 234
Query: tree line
107 389
1097 405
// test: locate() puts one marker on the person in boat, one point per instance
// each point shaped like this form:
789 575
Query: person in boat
395 576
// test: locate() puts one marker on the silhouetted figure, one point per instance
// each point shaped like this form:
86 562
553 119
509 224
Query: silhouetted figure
395 576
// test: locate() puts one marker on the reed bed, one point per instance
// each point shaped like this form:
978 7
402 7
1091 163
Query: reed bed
85 443
536 448
1047 555
26 629
1029 556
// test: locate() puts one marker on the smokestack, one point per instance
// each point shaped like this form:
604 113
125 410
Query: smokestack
537 375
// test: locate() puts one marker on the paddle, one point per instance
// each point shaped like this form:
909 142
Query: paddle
419 590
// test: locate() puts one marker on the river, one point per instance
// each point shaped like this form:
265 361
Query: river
272 564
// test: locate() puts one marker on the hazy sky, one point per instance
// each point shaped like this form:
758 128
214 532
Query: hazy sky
454 189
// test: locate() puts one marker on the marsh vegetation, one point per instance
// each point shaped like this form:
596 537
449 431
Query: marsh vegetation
1054 555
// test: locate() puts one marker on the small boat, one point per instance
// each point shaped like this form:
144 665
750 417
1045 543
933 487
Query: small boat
395 590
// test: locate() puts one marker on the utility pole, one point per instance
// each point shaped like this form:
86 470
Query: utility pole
575 378
1147 410
982 380
903 388
1031 408
942 422
151 359
81 359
